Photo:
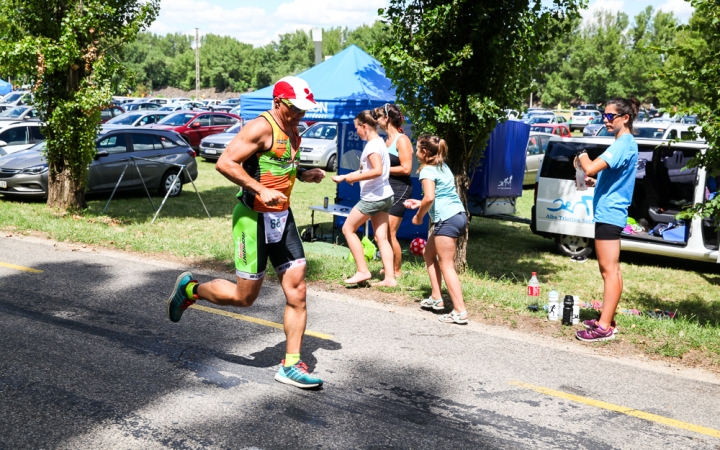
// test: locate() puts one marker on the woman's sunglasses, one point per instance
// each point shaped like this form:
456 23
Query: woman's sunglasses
611 116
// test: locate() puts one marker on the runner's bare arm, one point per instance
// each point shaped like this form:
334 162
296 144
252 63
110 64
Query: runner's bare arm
427 200
254 137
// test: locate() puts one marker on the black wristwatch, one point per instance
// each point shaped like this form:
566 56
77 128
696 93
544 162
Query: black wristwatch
300 172
577 155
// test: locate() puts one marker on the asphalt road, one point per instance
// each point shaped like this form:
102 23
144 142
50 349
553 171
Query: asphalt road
89 360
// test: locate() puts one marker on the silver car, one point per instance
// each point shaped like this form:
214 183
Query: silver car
536 147
20 113
213 146
25 173
134 119
319 146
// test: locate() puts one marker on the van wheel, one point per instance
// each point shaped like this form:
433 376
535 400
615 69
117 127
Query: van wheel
573 245
167 180
332 164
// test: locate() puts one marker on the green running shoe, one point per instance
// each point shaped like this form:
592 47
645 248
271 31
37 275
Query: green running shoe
297 375
179 301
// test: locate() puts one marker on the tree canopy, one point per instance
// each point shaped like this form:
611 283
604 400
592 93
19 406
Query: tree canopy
458 63
61 47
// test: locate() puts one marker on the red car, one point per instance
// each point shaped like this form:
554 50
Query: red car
110 112
558 129
193 126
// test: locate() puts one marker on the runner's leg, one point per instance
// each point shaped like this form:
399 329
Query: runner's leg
295 317
242 293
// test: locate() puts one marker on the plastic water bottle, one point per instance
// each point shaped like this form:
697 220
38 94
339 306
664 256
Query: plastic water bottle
576 310
553 313
567 310
580 177
533 292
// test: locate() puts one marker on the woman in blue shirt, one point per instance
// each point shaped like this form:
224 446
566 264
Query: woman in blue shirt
615 170
441 200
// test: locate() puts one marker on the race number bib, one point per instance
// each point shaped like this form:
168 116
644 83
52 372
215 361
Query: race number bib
274 226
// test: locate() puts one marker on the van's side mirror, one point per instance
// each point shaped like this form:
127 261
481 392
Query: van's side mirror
101 153
3 143
195 125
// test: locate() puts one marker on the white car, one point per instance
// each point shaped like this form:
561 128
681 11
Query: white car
582 117
660 130
663 188
211 102
180 100
135 119
16 136
158 100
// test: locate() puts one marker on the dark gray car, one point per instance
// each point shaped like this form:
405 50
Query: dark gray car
25 173
213 146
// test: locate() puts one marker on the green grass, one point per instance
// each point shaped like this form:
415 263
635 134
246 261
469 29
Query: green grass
501 256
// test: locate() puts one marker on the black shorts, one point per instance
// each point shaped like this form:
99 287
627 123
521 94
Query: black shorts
452 227
401 192
607 232
252 250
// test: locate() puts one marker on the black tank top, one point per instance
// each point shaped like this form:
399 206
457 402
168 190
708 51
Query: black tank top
397 180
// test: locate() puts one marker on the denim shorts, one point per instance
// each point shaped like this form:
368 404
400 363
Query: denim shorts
452 227
372 208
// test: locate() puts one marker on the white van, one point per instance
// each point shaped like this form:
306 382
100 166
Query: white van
663 186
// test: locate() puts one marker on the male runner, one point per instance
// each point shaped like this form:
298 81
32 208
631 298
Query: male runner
262 160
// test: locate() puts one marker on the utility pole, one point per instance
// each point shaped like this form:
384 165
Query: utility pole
317 39
197 65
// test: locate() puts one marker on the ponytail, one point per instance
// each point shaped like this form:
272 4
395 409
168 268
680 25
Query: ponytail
629 106
435 147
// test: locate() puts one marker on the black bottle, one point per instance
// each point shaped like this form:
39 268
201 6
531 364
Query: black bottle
567 310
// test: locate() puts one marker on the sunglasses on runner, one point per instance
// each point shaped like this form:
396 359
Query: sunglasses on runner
611 116
292 107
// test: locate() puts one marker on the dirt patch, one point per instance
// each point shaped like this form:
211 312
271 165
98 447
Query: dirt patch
170 92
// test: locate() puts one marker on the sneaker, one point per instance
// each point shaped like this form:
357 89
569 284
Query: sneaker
595 334
593 323
431 303
580 259
297 375
455 317
179 301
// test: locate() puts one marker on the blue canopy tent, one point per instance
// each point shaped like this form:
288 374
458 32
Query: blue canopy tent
344 85
5 87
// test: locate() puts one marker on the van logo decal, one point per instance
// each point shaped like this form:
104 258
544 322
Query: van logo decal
506 183
568 206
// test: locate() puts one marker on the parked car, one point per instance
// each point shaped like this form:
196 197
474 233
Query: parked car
662 130
557 129
211 102
235 110
20 113
221 108
158 100
590 107
16 136
665 184
180 100
319 146
135 119
536 147
593 126
302 126
25 173
141 106
193 105
582 117
193 126
546 118
16 98
110 112
231 102
213 146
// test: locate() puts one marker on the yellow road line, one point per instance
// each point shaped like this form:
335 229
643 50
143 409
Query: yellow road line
621 409
24 269
267 323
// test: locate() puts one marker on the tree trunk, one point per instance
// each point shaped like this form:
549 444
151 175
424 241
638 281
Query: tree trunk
64 193
462 183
